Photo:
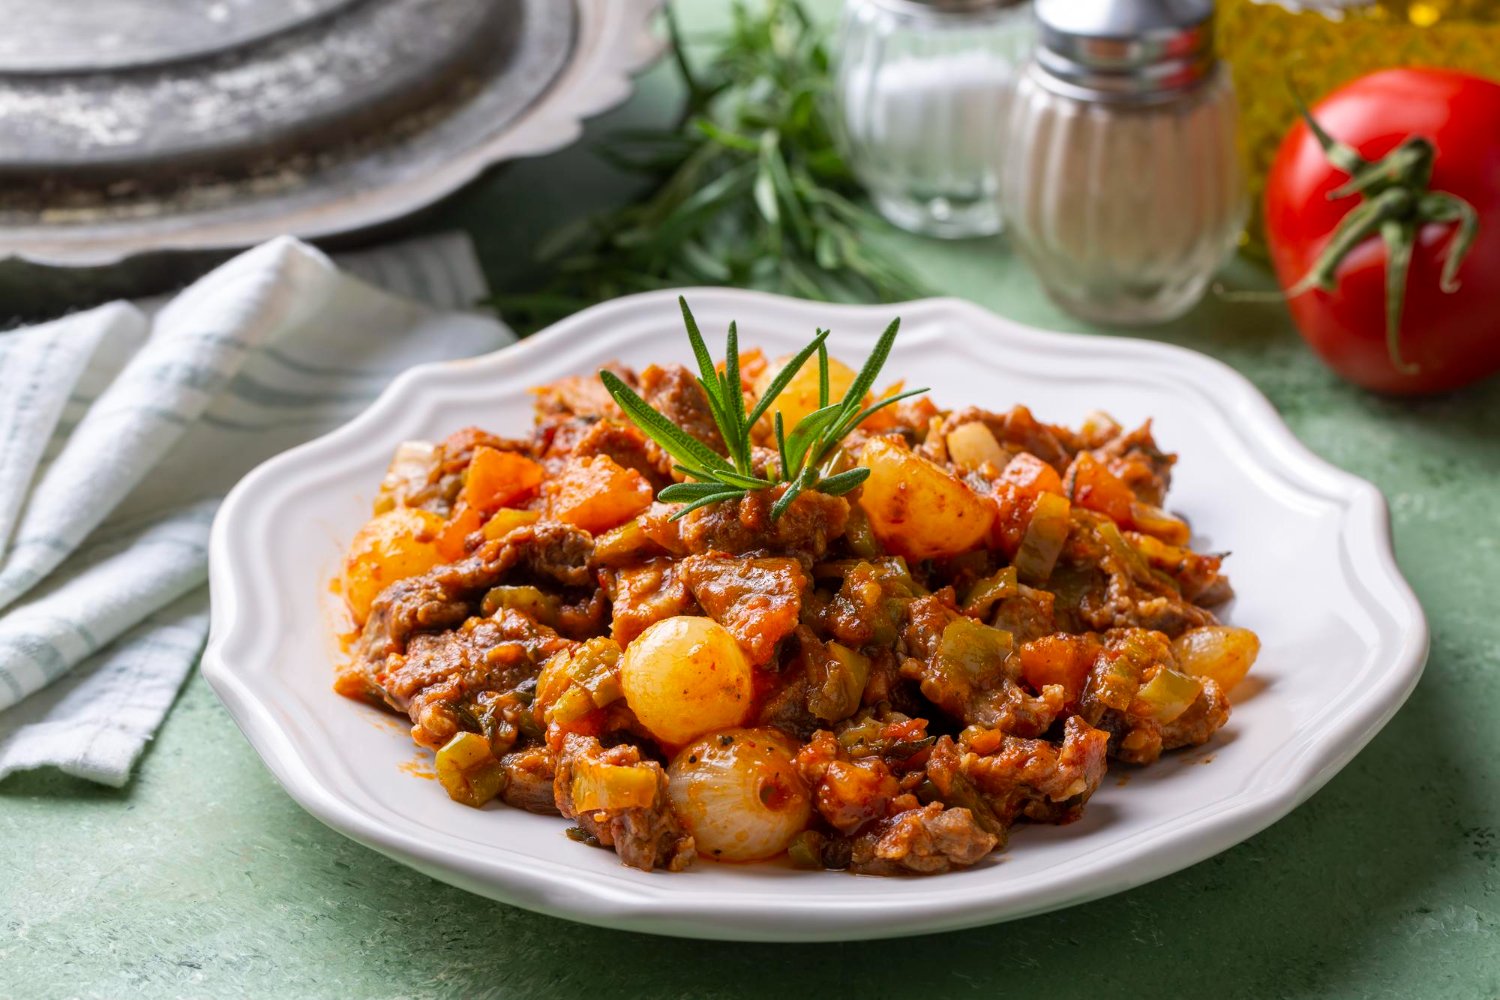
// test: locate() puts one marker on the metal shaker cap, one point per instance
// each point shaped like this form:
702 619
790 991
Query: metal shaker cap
1125 50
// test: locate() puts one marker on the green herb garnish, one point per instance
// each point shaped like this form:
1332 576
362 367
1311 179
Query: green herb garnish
749 190
805 455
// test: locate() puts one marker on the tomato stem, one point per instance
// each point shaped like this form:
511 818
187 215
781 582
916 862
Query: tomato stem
1395 203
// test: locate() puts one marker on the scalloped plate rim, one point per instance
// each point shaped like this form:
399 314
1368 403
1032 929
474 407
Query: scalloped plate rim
578 895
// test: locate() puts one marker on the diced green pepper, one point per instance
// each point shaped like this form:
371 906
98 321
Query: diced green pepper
540 607
859 535
1044 538
575 703
1167 695
985 593
623 545
845 672
837 682
806 849
973 652
469 771
862 738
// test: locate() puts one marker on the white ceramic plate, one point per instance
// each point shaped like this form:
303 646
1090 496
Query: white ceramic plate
1344 639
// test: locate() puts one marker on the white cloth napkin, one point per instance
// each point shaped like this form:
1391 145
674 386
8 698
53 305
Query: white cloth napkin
122 427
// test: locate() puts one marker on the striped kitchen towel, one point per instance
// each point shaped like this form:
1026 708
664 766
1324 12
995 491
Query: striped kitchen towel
122 427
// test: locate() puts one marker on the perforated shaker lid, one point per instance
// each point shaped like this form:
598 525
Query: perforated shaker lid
1125 49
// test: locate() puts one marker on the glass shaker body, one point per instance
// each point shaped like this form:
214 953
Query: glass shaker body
923 96
1125 210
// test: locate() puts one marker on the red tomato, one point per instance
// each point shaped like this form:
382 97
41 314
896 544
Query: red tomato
1448 338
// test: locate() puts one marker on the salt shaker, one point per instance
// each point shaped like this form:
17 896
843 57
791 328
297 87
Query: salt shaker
1124 189
923 90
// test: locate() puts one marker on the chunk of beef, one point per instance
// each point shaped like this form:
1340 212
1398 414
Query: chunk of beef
1023 777
643 595
446 595
1197 574
871 598
559 552
446 465
1109 584
836 677
529 776
1130 658
758 600
580 396
674 392
1016 430
1027 615
628 448
849 792
927 840
744 525
784 706
440 676
971 674
628 812
1134 457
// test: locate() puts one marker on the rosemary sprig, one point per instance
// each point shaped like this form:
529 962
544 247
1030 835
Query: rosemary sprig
749 190
805 455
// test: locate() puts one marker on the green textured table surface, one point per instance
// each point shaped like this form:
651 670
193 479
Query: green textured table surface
202 878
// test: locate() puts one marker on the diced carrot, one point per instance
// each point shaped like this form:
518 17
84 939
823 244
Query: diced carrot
884 420
596 494
1059 659
464 521
499 479
753 365
1031 475
1096 488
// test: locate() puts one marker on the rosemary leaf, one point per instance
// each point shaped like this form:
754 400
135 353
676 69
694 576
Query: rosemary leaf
687 492
793 490
734 401
823 375
676 442
803 455
748 188
782 454
864 414
706 369
784 377
808 431
706 501
865 380
844 482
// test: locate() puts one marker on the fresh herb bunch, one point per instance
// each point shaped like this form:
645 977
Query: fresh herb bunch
753 192
804 456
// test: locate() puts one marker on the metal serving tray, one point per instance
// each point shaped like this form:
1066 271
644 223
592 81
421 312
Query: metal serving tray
208 125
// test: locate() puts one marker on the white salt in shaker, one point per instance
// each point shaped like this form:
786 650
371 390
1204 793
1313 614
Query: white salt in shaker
1124 190
923 90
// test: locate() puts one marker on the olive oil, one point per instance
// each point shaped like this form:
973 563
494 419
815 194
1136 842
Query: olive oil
1322 44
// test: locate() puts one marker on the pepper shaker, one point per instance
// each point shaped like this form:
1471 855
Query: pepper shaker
923 90
1124 190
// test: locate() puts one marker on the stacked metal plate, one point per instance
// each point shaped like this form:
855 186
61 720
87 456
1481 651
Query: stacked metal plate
133 126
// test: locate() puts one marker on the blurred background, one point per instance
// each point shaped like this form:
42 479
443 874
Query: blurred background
1131 167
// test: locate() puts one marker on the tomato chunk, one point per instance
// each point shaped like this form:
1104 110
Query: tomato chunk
500 479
